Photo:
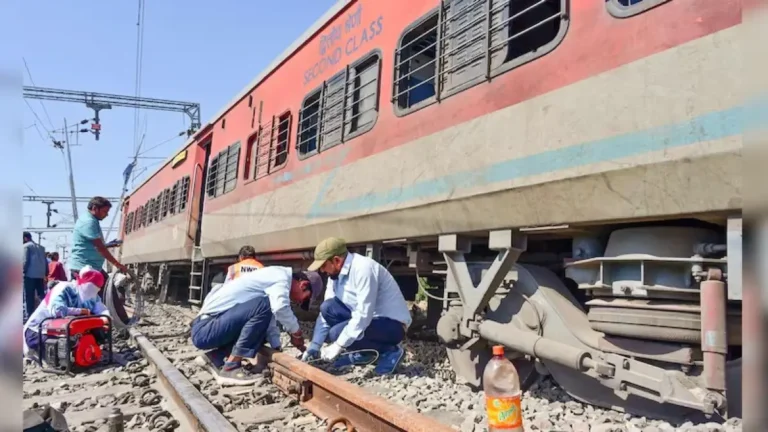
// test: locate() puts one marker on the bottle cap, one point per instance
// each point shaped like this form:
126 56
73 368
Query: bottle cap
498 350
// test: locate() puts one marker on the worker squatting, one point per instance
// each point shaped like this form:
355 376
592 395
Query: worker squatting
363 316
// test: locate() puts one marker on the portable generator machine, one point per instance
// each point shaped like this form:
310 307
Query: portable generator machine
72 343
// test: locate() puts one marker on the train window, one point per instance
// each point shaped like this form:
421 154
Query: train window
362 96
184 194
308 124
158 205
269 146
283 137
213 168
128 224
415 65
173 198
477 40
145 214
150 205
331 111
628 8
164 203
137 219
261 150
222 172
230 169
345 106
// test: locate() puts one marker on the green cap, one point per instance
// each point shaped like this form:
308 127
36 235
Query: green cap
327 249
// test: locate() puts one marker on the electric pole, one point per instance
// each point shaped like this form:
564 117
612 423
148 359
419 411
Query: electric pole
71 175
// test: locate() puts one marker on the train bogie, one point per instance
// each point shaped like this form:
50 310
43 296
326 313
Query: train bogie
658 334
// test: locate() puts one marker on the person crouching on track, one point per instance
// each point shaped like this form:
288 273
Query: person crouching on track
364 310
72 298
239 316
246 263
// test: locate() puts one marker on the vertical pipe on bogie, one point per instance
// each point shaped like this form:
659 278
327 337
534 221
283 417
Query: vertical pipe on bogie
714 343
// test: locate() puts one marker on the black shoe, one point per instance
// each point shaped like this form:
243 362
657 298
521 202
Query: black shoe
234 376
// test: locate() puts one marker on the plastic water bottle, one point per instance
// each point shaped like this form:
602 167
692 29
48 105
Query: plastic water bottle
502 394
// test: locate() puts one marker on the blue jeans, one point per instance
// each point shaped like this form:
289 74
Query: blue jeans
382 334
34 339
32 287
239 331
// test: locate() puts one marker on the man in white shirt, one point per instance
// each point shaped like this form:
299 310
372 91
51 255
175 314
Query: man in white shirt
363 309
239 316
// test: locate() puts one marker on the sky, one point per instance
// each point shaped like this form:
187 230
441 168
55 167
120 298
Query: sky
193 50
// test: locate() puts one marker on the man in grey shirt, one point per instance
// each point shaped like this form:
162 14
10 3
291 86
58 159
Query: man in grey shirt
34 269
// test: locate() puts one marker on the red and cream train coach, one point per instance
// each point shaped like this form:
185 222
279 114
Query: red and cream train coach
564 173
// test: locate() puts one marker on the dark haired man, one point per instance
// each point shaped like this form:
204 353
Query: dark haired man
246 263
364 309
238 317
34 269
88 246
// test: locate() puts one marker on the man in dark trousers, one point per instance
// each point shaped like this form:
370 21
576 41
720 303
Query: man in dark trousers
240 315
363 311
34 269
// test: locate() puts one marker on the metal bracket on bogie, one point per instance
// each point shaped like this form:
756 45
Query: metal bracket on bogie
474 299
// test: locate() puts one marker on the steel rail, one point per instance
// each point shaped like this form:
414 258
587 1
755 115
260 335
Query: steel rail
196 409
338 401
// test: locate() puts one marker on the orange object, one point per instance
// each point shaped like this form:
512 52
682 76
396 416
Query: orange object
87 352
502 394
245 266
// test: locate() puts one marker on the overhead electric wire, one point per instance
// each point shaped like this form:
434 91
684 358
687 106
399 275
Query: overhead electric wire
31 80
182 133
30 188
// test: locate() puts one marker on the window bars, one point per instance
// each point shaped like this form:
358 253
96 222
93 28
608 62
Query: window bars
222 171
345 106
269 146
470 41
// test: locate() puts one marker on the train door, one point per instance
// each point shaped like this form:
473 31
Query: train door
194 229
197 276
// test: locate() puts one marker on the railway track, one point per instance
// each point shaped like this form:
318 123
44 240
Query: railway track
161 382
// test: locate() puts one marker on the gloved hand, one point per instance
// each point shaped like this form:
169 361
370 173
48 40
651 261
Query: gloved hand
310 354
330 352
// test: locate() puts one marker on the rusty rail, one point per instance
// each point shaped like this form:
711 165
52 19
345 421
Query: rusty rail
338 401
196 409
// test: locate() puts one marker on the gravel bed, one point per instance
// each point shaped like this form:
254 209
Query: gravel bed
424 382
88 395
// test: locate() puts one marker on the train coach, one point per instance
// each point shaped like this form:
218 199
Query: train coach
564 173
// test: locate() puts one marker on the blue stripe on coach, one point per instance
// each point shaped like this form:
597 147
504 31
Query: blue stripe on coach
710 126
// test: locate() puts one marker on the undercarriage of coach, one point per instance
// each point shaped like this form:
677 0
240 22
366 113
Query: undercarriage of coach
645 322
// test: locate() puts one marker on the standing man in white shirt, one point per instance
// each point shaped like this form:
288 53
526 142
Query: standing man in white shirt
238 317
363 309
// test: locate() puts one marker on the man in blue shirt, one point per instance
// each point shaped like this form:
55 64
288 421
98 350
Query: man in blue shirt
34 269
239 316
88 246
363 309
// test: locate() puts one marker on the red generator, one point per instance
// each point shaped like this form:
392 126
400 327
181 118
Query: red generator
71 343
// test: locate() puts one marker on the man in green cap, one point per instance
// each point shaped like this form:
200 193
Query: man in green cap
363 309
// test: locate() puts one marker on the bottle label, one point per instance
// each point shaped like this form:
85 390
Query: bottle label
504 412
